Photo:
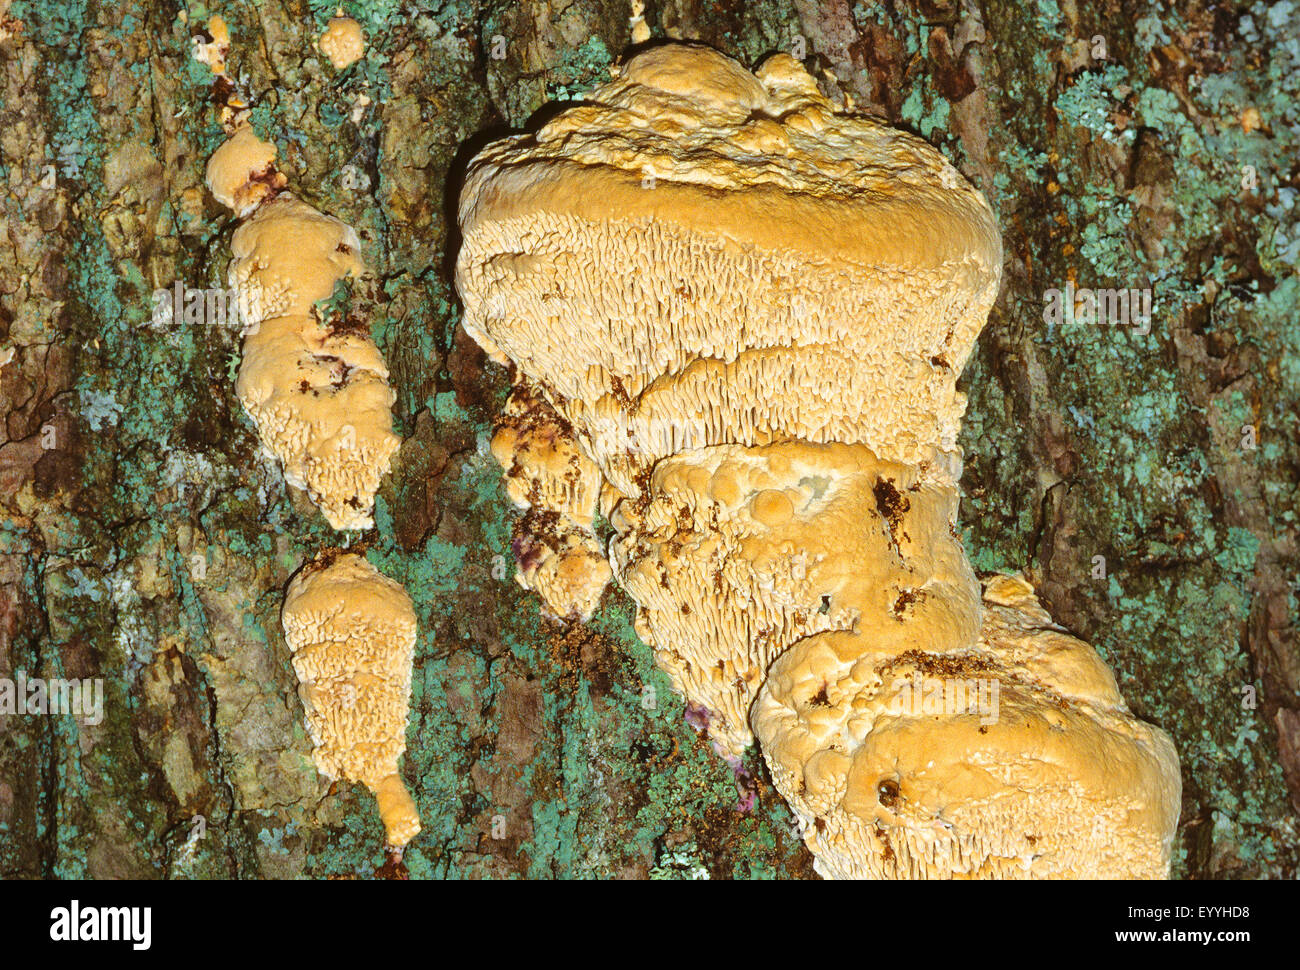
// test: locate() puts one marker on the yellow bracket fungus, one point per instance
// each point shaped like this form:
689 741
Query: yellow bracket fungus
747 312
316 389
352 634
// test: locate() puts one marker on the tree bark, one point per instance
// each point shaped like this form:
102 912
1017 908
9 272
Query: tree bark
145 542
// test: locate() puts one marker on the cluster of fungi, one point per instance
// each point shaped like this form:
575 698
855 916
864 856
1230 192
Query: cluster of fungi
736 317
316 388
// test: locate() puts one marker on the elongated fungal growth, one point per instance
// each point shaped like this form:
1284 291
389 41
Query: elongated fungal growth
352 634
749 312
313 382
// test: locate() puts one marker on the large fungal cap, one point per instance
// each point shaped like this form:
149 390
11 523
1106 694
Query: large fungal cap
1015 758
352 634
772 267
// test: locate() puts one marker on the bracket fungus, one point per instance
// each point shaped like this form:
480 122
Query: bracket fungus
352 634
1012 756
747 311
241 174
316 387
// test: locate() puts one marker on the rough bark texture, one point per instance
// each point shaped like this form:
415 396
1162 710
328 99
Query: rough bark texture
143 540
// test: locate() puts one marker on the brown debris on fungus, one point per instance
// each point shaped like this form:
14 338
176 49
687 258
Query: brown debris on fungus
751 311
547 472
352 634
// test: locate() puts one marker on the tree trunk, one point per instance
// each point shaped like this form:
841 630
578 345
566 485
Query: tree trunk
1147 481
